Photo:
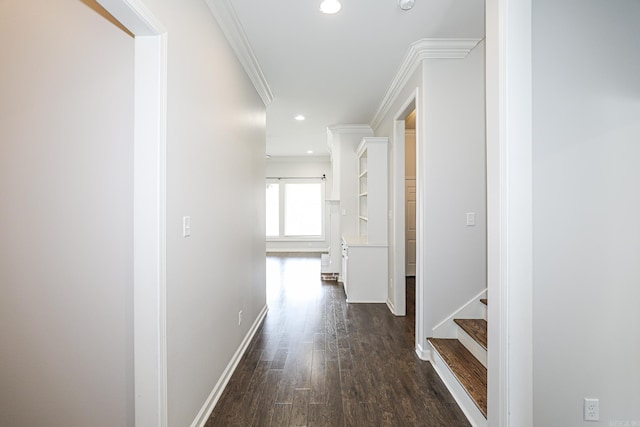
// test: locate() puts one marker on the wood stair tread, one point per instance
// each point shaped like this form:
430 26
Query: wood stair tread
484 301
476 328
466 368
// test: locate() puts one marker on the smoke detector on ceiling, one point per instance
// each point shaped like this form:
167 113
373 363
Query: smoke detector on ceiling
406 4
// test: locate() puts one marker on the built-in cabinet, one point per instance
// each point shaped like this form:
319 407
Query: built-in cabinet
365 256
373 189
364 270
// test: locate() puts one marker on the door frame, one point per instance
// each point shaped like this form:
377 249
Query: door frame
398 222
149 209
509 212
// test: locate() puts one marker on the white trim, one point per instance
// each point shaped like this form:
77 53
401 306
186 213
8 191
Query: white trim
392 308
509 212
363 130
323 250
421 315
353 128
149 210
226 16
397 205
462 398
472 309
420 50
472 345
135 17
209 404
364 301
423 353
299 159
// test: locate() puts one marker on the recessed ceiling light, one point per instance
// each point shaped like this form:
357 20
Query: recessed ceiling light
309 152
406 4
330 6
299 117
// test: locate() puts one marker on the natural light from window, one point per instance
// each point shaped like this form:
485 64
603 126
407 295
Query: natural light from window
294 209
273 210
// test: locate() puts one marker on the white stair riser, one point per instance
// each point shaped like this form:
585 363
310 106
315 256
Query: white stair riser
473 309
472 345
456 389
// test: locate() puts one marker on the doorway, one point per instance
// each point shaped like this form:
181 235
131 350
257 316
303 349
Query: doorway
403 165
410 194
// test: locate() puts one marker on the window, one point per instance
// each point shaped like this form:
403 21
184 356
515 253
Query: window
273 210
294 209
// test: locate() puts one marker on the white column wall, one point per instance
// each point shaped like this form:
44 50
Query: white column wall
451 182
586 168
396 162
215 175
454 183
66 216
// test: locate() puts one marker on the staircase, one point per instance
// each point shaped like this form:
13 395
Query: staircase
461 362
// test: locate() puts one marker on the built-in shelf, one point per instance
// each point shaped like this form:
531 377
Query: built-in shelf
365 257
372 189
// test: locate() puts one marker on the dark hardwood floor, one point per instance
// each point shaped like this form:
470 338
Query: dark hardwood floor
318 361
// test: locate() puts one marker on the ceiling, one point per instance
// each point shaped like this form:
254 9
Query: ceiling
335 69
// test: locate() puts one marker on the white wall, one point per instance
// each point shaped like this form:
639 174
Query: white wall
397 161
586 118
451 143
343 141
454 183
66 171
301 167
66 115
215 174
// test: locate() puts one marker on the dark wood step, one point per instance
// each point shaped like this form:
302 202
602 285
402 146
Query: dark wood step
484 301
476 328
466 368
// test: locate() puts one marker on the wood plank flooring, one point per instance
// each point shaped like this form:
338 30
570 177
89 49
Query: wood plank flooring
476 328
318 361
469 371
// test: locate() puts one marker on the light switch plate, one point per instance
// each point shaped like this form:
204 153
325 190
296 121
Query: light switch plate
471 219
186 226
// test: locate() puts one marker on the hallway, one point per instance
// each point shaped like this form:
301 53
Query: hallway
318 361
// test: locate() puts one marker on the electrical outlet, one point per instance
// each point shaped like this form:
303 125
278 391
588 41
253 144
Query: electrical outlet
591 409
240 318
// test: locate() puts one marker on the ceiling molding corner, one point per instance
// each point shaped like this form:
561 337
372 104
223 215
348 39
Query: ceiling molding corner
226 16
419 51
364 129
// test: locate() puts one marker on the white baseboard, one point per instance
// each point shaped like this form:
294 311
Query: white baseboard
319 250
464 401
423 353
392 308
214 396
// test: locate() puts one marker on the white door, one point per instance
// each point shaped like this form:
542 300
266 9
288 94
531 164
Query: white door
410 225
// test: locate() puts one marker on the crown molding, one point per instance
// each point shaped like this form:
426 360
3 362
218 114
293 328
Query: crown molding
345 129
363 130
232 29
419 51
299 159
